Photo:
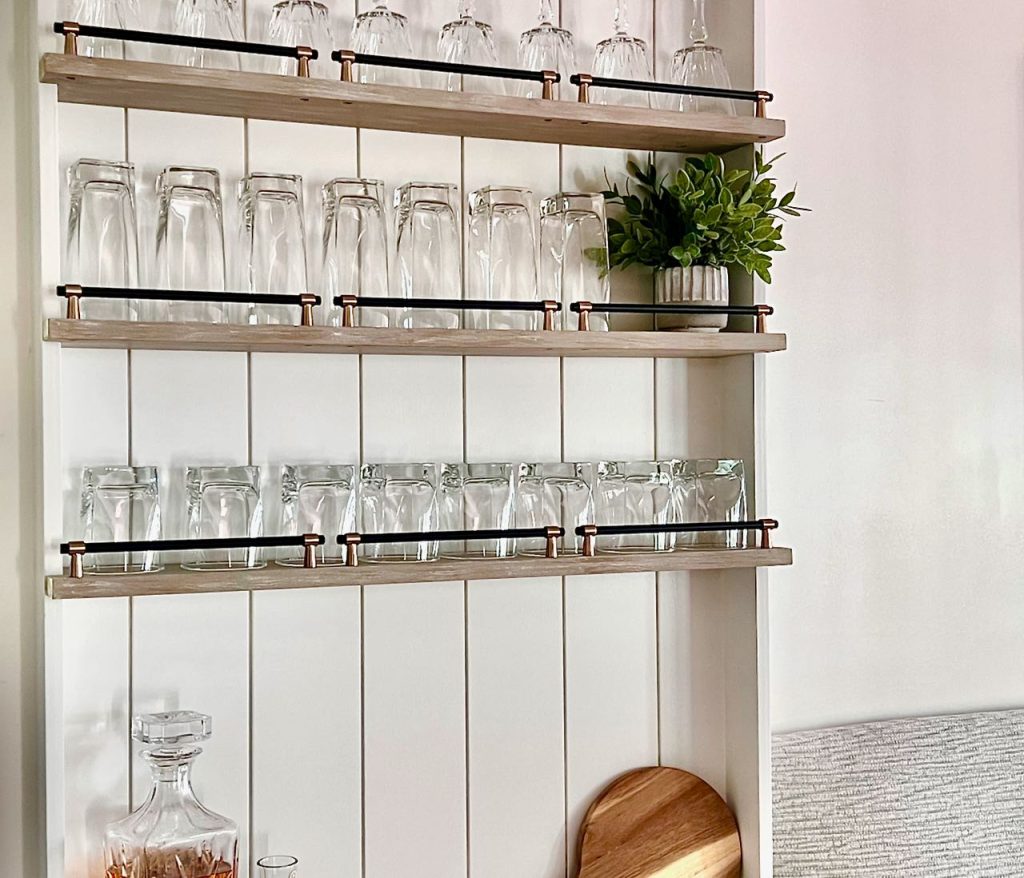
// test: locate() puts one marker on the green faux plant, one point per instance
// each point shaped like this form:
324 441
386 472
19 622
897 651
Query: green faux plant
701 215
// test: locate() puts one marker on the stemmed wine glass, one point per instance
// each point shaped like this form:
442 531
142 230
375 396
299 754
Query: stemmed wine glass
380 31
702 65
469 41
546 47
623 57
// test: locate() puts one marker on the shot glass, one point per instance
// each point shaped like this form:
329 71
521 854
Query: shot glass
277 867
317 499
120 504
632 493
399 498
477 496
574 253
554 494
224 502
713 491
103 234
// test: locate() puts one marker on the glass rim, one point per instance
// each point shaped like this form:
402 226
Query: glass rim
288 4
352 181
277 861
102 163
697 49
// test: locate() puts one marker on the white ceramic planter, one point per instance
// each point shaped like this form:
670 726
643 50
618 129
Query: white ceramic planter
697 285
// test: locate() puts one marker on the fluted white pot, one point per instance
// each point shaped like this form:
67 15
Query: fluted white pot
696 285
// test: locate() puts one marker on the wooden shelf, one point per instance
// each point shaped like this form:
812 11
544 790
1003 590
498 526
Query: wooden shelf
149 86
174 580
423 342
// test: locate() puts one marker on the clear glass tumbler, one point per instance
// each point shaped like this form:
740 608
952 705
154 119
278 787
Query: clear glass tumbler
273 243
548 47
278 867
622 56
190 242
702 65
503 256
574 253
399 498
554 495
121 14
429 247
381 31
477 496
302 23
224 502
213 19
631 493
120 504
713 491
355 248
467 40
103 234
317 499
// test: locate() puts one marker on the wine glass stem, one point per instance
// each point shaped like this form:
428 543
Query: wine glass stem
622 18
547 12
467 8
699 26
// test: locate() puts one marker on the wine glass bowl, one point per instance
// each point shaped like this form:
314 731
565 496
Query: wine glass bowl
622 56
703 66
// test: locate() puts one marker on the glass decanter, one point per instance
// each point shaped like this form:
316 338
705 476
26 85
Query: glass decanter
172 835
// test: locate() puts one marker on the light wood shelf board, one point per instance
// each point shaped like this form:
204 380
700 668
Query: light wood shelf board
149 86
123 335
173 580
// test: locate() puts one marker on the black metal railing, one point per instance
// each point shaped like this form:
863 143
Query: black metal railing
74 293
349 304
590 532
585 309
348 59
585 82
72 30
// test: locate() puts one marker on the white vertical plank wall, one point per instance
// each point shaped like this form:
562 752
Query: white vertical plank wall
444 729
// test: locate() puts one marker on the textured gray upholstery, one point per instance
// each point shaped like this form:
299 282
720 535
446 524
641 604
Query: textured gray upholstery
921 798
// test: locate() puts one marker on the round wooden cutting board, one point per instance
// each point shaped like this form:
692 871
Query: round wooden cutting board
659 823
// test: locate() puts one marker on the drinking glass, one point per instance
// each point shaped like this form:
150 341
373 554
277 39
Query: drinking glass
317 499
120 504
503 255
554 494
190 242
104 13
477 496
380 31
713 490
224 502
468 40
630 493
212 19
278 867
622 57
355 248
301 23
429 252
702 65
273 242
399 498
547 47
574 253
103 234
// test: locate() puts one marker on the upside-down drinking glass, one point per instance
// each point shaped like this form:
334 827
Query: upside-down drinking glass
190 242
429 252
120 504
547 47
477 496
702 65
212 19
399 498
355 248
631 493
381 31
278 867
224 502
301 23
273 242
554 495
467 40
503 256
713 491
317 499
103 234
574 253
622 56
121 14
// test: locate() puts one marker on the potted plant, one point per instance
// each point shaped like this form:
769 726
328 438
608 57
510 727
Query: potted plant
692 225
